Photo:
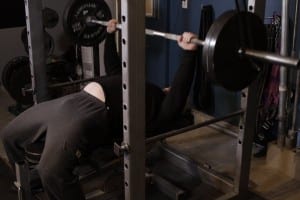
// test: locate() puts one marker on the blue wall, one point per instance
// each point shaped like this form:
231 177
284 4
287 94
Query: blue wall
163 56
157 49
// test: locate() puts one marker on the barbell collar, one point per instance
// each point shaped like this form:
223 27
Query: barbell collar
271 57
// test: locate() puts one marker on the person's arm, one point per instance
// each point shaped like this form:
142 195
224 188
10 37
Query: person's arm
112 61
175 100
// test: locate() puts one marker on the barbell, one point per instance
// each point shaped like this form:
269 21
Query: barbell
234 49
150 32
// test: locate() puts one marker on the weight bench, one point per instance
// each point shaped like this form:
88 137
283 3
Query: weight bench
92 166
100 160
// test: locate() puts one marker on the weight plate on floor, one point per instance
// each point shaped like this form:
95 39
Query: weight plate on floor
10 67
18 77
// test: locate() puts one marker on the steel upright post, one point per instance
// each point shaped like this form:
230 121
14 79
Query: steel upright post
37 55
292 134
133 70
283 86
249 103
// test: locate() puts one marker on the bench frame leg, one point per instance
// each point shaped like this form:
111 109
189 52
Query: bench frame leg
22 183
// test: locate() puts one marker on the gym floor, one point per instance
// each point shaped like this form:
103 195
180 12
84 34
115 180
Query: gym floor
266 182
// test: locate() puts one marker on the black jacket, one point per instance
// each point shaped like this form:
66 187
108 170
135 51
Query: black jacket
161 109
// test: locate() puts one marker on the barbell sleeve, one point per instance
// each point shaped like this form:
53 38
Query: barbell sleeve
271 57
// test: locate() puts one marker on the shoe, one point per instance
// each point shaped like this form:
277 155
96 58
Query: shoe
35 181
14 187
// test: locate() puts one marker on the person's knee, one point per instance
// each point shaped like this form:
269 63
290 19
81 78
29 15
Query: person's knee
6 138
3 134
53 172
47 175
42 172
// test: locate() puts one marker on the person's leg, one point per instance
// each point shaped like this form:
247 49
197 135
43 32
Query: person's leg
70 136
24 129
55 169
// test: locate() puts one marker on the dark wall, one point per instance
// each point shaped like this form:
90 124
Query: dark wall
10 37
12 14
189 20
157 49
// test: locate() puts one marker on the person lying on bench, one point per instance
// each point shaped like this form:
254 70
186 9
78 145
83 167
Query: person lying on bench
74 125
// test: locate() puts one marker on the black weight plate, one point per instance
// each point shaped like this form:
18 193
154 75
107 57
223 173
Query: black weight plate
48 42
220 53
50 17
75 25
59 71
7 70
4 76
20 78
10 66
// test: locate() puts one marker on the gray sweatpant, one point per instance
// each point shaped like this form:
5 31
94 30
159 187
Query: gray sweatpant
72 126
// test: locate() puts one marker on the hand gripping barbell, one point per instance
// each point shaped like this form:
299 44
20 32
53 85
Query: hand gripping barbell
150 32
232 55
